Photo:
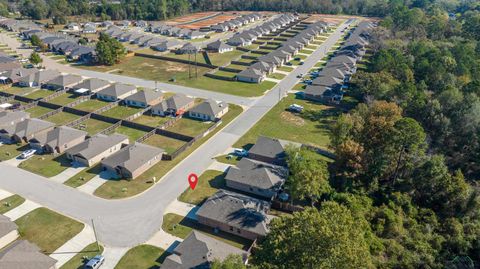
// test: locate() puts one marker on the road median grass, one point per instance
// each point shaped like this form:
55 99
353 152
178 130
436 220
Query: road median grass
119 189
47 229
142 256
10 203
208 184
78 261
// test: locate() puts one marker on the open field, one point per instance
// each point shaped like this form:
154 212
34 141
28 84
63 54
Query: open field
47 229
93 126
47 165
309 127
208 184
142 256
118 189
10 203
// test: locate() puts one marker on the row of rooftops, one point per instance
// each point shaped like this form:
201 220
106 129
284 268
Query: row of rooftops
142 39
338 70
236 22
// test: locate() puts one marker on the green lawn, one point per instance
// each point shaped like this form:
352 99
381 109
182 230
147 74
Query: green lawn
305 52
208 184
225 74
230 87
47 165
121 112
84 176
142 256
153 121
64 99
118 189
221 59
93 126
170 145
310 127
47 229
181 227
40 93
133 134
78 260
188 57
190 127
285 68
91 105
228 159
62 118
18 90
236 66
10 151
276 76
10 203
37 111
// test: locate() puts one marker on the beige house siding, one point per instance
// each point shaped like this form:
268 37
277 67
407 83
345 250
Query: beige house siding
8 238
229 229
100 156
66 146
249 189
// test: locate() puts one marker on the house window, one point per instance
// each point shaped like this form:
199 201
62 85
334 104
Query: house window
231 228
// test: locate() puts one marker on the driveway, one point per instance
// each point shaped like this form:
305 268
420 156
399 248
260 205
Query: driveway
129 222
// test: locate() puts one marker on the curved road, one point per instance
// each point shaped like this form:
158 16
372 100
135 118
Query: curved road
132 221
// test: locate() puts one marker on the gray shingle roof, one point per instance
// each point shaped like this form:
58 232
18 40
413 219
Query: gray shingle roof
117 89
59 136
64 80
176 102
8 118
132 156
209 107
92 84
237 210
257 174
271 147
96 145
23 255
28 127
6 226
145 96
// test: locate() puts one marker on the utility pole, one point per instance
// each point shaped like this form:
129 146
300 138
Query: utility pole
95 233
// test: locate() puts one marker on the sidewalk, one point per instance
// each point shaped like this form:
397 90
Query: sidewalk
94 183
273 80
73 246
22 210
182 209
219 166
67 174
4 194
112 256
164 240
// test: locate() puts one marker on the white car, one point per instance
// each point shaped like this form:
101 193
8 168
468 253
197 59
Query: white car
240 152
27 153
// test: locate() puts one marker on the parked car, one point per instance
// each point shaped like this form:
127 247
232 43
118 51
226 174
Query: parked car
308 81
300 63
283 197
240 152
95 262
27 153
289 63
299 75
295 108
297 58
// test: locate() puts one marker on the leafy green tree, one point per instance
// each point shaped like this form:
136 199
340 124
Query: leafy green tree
231 262
35 58
109 50
309 177
327 238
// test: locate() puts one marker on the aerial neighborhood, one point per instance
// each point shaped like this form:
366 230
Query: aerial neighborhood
200 134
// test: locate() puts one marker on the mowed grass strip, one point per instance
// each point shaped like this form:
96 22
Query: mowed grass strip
10 203
133 134
84 176
64 99
37 111
93 126
62 118
142 256
17 90
40 93
118 189
121 112
91 105
78 260
181 227
47 165
47 229
312 126
208 184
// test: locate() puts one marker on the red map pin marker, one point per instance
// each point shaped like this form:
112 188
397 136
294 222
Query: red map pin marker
192 180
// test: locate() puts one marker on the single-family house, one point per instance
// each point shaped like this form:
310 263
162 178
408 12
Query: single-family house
73 26
195 35
208 110
38 78
236 213
63 82
96 148
255 177
10 118
270 150
82 54
327 81
8 231
219 46
187 48
58 139
14 75
199 250
91 85
170 44
177 104
144 98
265 67
132 160
116 92
25 130
22 254
323 93
89 29
251 75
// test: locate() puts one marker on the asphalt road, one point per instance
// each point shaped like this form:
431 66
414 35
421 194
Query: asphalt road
132 221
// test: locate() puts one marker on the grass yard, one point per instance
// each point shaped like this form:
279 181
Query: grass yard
10 151
133 134
64 99
228 159
46 165
62 118
84 176
142 256
190 127
285 68
226 74
229 87
188 57
10 203
37 111
91 105
208 184
40 93
309 127
181 227
152 121
78 260
237 66
17 90
276 76
221 59
118 189
93 126
47 229
170 145
121 112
